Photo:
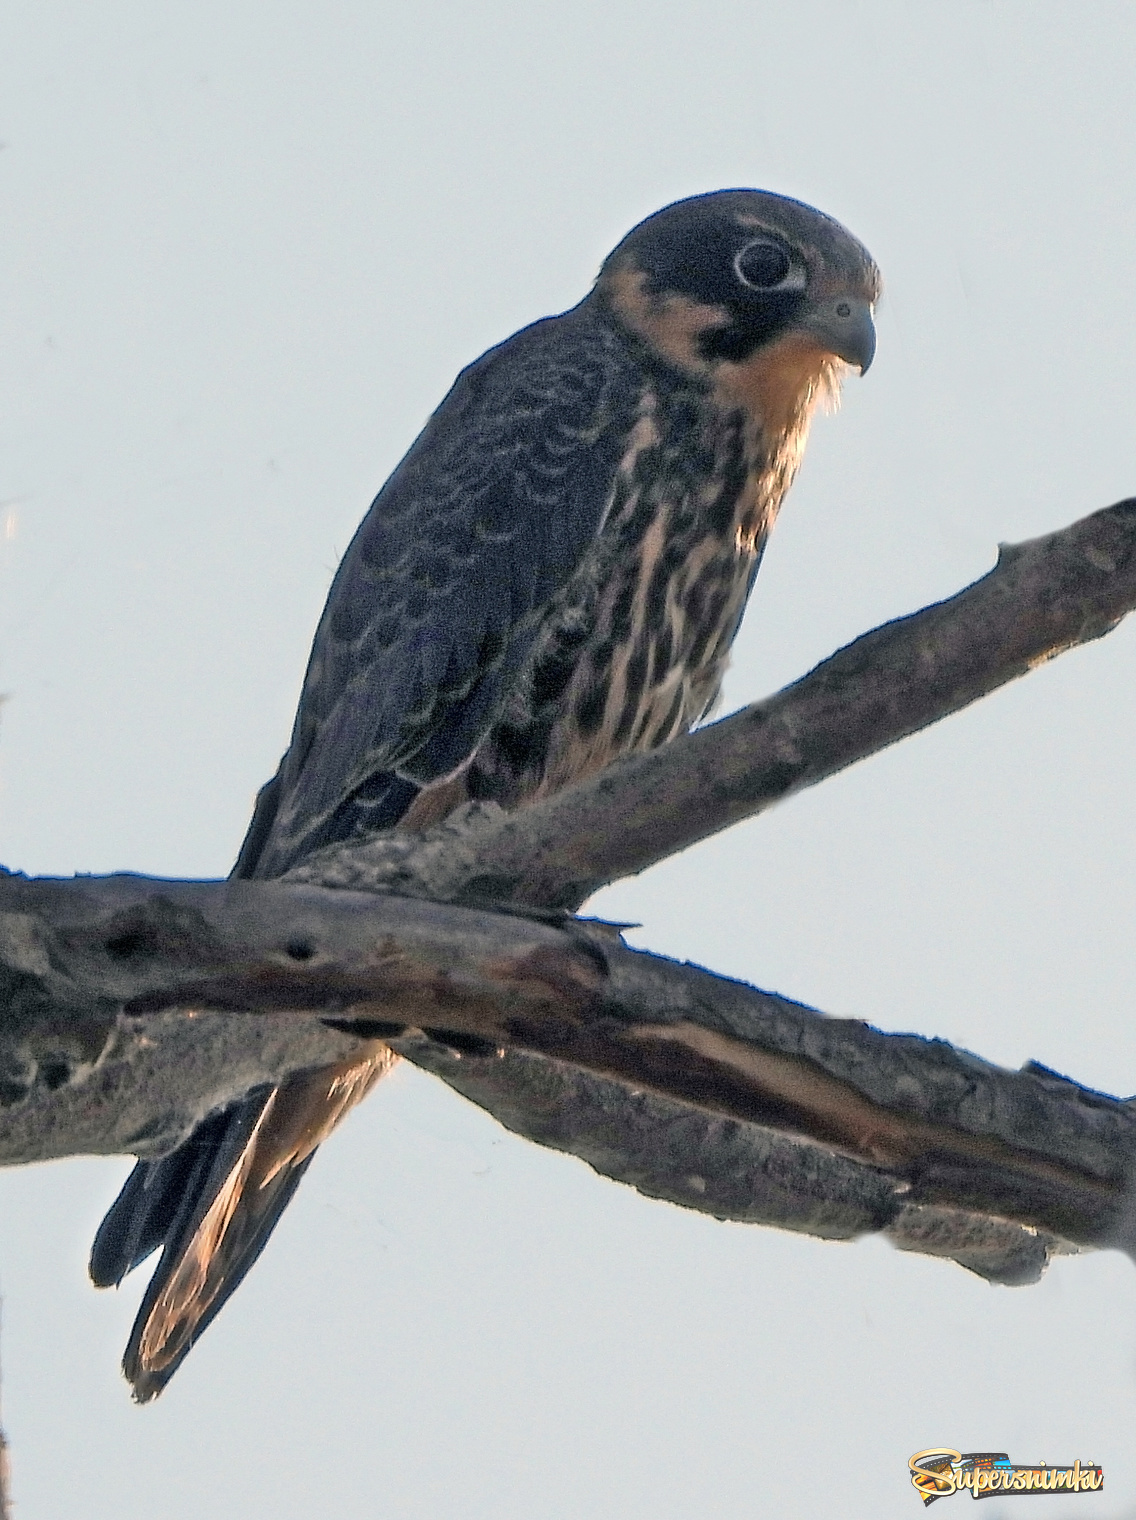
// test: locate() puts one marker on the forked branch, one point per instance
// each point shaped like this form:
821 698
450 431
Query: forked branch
130 1007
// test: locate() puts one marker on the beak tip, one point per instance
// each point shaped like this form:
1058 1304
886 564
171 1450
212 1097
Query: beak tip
867 341
845 326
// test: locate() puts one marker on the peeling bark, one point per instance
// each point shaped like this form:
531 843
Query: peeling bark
103 958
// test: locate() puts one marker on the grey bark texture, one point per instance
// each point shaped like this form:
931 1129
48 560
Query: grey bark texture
131 1007
1042 598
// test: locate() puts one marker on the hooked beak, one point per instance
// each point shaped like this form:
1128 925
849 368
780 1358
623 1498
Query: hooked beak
844 325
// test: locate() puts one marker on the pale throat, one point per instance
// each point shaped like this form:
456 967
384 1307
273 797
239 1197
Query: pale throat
777 390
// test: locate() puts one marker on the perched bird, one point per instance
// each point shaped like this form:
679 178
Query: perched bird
551 578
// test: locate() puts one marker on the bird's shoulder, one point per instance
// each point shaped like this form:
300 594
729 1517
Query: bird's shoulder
517 456
485 519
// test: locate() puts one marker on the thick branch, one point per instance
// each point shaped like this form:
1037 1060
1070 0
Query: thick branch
98 967
1042 598
726 1168
121 999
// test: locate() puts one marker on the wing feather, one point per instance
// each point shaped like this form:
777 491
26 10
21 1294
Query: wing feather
439 595
428 620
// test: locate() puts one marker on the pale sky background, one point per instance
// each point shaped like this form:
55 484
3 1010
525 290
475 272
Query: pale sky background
245 249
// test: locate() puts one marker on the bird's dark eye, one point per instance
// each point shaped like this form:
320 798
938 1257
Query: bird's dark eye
763 264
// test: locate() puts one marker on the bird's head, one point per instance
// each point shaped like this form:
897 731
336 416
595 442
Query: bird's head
741 278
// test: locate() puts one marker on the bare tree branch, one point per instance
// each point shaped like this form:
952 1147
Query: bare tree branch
110 955
730 1169
1042 598
125 1003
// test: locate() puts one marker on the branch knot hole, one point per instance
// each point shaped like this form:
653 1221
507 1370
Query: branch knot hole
130 944
160 929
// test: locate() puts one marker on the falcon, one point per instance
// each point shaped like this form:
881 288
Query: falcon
552 578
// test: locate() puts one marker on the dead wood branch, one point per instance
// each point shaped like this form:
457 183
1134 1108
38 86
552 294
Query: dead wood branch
105 957
130 1008
1042 598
